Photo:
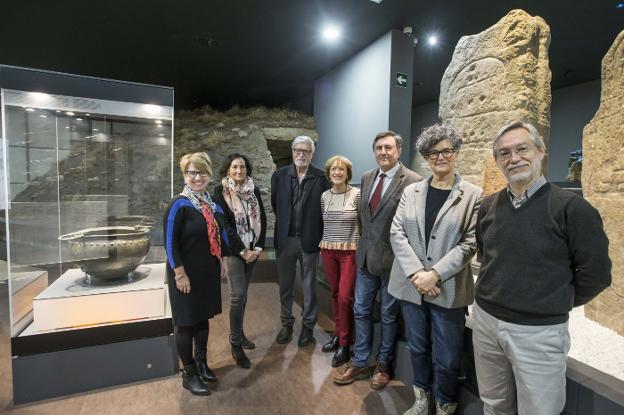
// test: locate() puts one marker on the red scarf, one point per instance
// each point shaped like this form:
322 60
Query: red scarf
213 231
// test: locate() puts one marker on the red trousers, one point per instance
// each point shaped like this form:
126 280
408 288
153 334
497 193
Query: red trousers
339 269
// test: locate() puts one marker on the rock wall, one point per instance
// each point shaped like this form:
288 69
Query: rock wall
264 135
603 181
495 77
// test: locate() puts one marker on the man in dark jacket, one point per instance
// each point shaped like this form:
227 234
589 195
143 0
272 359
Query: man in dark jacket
296 200
543 251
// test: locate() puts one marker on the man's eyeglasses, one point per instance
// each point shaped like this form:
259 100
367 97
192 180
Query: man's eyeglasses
505 154
301 152
192 174
447 153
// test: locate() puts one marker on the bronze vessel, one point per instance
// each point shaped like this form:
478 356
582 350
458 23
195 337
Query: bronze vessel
109 252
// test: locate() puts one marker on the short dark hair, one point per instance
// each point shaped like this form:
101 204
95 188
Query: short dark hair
397 138
228 162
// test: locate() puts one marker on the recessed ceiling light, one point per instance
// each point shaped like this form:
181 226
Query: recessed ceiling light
88 115
158 122
331 33
432 40
95 129
78 119
69 113
29 109
43 116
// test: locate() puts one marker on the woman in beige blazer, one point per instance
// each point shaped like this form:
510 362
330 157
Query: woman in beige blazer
433 239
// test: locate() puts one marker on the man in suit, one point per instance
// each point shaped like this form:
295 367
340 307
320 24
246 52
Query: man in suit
296 200
382 188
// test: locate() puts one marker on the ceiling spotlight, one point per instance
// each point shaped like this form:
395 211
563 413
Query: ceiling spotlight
432 40
69 113
331 33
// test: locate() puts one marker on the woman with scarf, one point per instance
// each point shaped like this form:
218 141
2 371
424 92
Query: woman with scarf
246 229
196 249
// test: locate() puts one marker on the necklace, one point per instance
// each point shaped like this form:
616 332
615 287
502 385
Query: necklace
344 199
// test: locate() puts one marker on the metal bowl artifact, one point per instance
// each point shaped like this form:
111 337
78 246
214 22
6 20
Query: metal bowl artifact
109 252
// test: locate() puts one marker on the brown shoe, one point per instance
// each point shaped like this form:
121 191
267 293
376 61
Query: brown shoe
381 376
349 373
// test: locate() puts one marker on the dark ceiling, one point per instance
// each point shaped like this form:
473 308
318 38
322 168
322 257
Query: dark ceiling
251 52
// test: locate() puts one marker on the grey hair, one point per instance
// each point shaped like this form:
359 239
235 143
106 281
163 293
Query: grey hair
398 140
530 128
302 139
432 135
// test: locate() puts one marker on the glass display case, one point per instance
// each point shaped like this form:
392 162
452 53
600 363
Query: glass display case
86 178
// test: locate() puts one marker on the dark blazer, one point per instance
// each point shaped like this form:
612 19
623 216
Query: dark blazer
312 225
234 241
374 252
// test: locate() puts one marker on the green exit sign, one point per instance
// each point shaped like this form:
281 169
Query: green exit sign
401 80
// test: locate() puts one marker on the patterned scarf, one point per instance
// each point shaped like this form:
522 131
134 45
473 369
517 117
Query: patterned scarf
243 203
203 202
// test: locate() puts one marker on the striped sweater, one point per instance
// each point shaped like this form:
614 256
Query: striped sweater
342 223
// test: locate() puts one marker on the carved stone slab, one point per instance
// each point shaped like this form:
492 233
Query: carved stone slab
495 77
603 181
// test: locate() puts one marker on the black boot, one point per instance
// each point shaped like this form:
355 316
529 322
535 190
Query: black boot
247 344
341 356
331 345
205 373
240 357
192 382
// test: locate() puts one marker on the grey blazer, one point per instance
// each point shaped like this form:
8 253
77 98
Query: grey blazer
451 246
374 251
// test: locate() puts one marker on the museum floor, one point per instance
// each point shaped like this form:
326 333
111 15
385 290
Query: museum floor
282 379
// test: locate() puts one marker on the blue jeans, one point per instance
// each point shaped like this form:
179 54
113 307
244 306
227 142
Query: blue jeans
366 287
435 336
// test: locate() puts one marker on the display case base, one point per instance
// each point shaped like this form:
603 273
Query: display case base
55 307
59 373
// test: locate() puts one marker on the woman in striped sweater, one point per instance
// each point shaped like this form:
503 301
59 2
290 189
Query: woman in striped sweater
342 227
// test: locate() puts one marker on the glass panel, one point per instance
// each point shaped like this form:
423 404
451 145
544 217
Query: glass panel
75 175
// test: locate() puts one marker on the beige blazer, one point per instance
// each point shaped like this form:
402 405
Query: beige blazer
374 251
451 246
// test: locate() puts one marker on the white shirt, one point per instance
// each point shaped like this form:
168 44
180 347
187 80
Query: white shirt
389 176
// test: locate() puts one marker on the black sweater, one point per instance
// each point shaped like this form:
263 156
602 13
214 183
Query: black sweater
540 260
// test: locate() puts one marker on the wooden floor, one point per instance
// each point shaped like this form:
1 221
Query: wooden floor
283 379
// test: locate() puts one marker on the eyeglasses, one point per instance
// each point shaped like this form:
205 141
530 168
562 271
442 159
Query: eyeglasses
505 154
447 153
301 152
192 174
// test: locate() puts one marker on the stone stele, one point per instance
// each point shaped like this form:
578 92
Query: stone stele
495 77
603 181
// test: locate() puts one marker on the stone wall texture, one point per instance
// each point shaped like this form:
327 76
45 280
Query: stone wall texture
603 181
262 134
495 77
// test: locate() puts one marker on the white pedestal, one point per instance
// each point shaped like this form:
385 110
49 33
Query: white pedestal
66 304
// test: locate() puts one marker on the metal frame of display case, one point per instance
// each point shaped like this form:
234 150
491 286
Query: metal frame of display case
61 362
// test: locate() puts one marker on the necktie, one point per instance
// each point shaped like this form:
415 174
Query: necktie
377 194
